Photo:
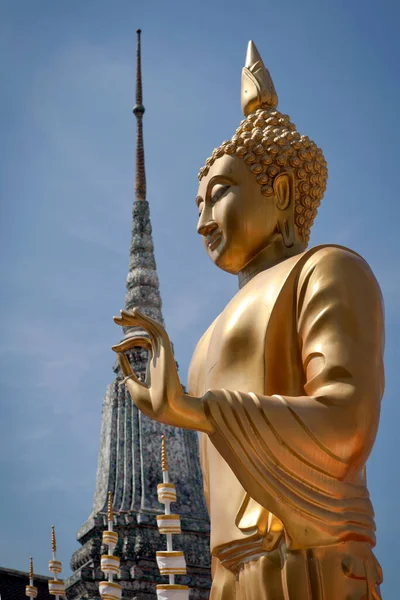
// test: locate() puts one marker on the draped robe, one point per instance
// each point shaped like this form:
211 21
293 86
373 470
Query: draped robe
294 370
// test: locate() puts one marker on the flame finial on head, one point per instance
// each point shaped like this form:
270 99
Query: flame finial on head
257 86
110 507
164 456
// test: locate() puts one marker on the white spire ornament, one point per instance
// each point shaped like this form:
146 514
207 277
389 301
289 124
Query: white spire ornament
56 586
109 590
30 590
171 562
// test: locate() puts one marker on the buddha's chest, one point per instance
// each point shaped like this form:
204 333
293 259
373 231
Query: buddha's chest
232 353
235 353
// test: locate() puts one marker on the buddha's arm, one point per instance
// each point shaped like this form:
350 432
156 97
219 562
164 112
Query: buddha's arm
275 444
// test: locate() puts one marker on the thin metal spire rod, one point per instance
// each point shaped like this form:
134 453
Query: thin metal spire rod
139 89
138 111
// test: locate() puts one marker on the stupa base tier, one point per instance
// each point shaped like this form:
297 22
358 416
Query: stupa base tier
31 591
169 524
55 566
56 587
166 493
110 564
110 590
172 592
171 562
110 538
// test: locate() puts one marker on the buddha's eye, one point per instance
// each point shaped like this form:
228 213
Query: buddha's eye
218 191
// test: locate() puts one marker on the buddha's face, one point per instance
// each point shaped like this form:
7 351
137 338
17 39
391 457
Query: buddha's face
235 219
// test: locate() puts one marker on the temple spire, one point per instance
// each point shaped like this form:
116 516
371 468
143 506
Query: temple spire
130 441
138 111
143 288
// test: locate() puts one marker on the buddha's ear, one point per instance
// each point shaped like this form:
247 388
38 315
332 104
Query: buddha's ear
284 190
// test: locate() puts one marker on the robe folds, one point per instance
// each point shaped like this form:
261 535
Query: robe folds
302 456
295 434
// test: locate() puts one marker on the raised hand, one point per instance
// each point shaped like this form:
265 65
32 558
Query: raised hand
163 388
161 397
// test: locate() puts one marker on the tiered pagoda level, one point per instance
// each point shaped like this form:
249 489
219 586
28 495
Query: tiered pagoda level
130 441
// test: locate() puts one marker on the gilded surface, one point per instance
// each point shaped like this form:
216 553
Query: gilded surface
286 384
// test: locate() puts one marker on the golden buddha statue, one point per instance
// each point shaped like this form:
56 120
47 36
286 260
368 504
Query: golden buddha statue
285 385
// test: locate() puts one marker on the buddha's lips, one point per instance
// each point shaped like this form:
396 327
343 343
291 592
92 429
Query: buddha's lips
214 239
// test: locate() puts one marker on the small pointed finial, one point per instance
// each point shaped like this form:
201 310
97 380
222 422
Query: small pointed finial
164 456
110 507
257 86
31 568
53 539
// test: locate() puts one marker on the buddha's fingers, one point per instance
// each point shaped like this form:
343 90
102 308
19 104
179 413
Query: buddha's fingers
139 391
135 318
155 330
125 364
127 318
140 394
132 342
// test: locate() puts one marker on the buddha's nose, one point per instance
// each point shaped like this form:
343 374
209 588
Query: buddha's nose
205 227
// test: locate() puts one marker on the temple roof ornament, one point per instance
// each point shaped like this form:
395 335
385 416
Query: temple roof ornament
170 562
31 591
56 586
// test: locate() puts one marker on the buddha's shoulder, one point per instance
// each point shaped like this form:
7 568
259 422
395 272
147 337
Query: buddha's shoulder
338 264
326 261
334 259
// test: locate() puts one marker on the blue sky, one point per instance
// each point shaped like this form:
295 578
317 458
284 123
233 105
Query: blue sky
66 188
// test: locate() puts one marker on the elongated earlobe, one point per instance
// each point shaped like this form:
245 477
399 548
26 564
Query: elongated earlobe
286 229
284 192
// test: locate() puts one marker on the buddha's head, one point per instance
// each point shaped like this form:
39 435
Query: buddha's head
263 186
